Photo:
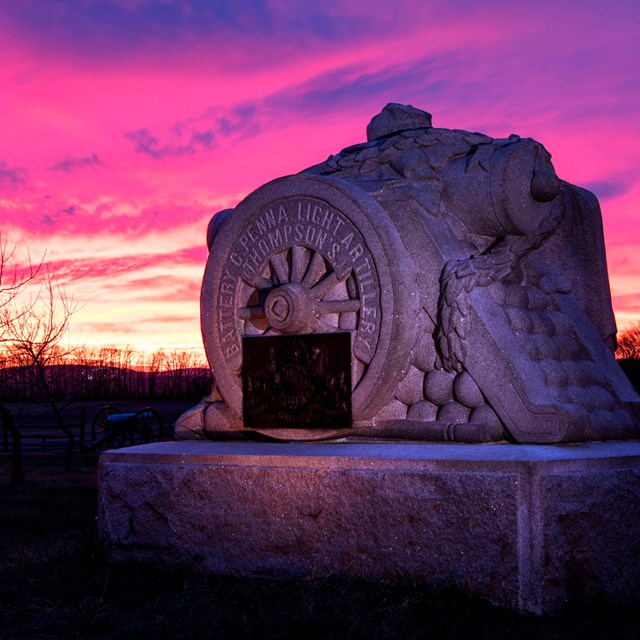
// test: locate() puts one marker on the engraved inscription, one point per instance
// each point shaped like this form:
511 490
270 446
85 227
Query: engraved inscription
227 322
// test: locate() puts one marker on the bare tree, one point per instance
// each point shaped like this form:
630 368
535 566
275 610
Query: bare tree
33 331
13 281
177 365
153 367
629 343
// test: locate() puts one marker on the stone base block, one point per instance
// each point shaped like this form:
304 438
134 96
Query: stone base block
530 528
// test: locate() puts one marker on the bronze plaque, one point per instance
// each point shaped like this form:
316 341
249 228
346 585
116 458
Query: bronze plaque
297 381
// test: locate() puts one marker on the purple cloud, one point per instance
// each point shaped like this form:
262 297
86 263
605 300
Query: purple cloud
611 188
11 178
150 145
71 163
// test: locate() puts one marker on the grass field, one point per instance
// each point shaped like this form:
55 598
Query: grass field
54 583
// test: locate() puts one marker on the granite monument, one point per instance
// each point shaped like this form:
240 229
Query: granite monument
471 279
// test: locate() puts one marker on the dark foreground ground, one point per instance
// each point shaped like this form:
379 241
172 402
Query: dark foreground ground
54 583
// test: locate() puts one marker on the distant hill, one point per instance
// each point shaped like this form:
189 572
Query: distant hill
93 381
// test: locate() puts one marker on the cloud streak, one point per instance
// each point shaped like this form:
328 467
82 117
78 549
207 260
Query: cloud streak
70 163
150 145
111 268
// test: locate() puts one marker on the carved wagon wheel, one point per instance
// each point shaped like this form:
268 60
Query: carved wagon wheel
311 254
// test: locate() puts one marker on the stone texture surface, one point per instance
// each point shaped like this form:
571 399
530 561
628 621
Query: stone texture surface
529 528
464 269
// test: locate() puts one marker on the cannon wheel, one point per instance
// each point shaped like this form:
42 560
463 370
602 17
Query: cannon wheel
311 254
148 426
100 434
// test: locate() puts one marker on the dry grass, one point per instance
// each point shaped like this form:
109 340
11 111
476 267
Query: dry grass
55 584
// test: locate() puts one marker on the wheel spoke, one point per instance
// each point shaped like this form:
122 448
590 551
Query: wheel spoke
258 283
262 283
280 267
352 289
298 263
338 306
315 269
251 313
327 283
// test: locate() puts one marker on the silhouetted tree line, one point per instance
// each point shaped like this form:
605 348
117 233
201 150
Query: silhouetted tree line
109 373
628 354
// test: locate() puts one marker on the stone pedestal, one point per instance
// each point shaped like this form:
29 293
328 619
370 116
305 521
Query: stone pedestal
530 528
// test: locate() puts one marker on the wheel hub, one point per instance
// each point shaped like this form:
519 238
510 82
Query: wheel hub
289 308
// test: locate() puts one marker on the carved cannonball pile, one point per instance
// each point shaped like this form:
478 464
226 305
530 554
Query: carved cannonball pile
428 393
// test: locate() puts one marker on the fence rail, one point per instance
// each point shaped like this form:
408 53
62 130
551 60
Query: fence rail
44 441
48 435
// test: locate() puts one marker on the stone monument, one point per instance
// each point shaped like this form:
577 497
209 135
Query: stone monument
471 279
434 306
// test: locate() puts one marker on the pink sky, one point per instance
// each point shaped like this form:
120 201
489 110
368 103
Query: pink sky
127 123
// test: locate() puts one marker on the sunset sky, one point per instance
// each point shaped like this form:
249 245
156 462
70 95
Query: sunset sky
125 124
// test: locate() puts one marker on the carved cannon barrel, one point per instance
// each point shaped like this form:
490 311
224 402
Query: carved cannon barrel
509 188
